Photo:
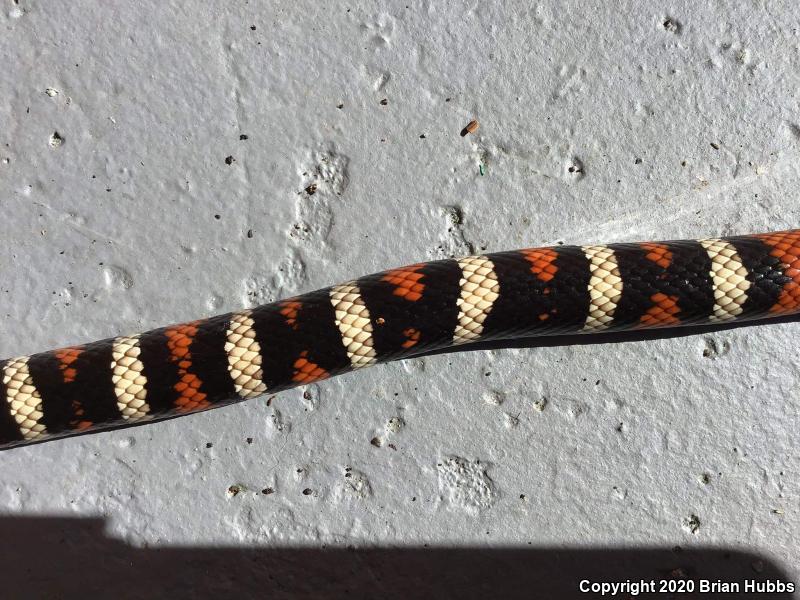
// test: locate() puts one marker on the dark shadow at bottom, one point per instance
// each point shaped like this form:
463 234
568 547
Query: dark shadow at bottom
611 337
74 558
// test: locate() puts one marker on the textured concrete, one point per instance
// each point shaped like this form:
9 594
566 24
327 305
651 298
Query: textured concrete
131 199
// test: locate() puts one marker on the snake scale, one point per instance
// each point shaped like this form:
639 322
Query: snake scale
398 313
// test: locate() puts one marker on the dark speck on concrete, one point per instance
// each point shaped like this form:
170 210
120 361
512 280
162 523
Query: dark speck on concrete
229 160
56 139
672 26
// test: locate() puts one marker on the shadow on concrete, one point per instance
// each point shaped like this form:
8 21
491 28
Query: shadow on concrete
68 558
615 337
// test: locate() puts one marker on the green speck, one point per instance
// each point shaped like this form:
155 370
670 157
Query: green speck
481 169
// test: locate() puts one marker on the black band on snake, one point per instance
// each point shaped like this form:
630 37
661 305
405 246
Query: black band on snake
395 314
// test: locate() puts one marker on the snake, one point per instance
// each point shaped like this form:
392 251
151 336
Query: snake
395 314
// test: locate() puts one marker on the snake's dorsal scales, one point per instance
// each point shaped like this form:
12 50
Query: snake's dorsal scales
211 362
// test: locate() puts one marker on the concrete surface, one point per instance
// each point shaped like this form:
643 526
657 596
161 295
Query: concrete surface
599 122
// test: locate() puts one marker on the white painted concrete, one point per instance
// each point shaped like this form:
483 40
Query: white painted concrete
599 122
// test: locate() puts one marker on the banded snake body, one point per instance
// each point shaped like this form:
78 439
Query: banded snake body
398 313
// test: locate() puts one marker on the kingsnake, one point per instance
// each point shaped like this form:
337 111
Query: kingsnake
398 313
